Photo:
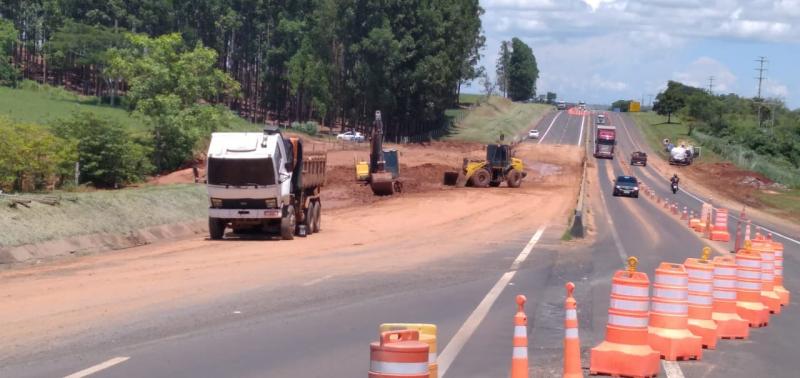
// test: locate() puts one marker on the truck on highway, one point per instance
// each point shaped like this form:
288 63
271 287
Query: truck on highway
605 140
265 182
561 105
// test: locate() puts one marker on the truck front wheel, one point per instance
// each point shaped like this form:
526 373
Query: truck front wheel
216 228
288 223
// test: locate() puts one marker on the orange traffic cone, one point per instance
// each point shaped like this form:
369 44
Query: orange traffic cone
748 287
572 343
519 359
729 324
625 351
669 315
701 281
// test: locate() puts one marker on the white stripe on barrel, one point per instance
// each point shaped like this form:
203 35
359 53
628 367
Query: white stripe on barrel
398 367
749 274
728 284
622 304
671 308
520 331
571 333
723 295
748 263
520 352
700 274
671 280
571 314
669 293
749 285
631 291
701 300
627 321
700 287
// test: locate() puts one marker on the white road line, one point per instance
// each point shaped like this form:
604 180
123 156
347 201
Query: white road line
317 280
463 334
688 193
671 368
548 127
96 368
580 136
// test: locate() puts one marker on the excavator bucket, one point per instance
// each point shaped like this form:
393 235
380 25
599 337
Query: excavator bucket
382 184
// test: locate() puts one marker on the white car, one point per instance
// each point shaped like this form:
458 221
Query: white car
351 136
533 134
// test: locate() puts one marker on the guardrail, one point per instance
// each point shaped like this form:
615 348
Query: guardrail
577 230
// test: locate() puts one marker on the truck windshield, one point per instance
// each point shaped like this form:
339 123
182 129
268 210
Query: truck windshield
241 172
605 141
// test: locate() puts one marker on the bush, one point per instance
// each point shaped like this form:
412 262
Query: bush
107 155
311 128
32 158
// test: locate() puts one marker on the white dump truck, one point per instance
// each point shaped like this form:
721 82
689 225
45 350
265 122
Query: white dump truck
263 182
681 155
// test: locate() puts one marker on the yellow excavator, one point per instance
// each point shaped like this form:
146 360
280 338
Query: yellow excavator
382 173
499 166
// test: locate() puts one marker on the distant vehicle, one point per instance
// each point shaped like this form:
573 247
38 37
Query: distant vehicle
582 105
604 141
681 155
626 186
561 105
639 158
264 182
533 134
351 136
601 119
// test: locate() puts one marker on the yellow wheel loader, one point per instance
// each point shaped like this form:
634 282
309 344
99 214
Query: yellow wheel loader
498 167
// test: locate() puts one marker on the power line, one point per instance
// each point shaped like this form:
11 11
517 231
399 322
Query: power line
711 84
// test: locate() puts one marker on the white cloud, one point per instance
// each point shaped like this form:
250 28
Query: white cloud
775 89
697 74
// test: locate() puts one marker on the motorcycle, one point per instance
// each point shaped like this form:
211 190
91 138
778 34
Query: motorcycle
674 187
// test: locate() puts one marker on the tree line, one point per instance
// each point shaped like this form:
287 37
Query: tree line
335 61
517 71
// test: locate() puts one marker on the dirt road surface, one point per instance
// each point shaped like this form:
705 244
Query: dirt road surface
46 306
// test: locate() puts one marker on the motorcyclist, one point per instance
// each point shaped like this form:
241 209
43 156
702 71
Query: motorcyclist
674 179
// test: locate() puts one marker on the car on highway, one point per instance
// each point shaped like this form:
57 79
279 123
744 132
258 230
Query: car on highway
639 158
626 186
351 136
601 119
561 105
533 134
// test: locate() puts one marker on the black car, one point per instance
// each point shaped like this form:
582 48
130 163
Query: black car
626 186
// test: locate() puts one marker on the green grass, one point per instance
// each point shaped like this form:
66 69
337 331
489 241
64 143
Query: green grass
118 211
785 204
48 104
655 129
469 98
485 123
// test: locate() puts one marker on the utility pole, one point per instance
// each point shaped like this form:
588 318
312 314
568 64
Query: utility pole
761 70
711 85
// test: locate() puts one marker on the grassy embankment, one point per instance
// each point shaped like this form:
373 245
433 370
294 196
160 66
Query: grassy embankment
655 129
91 212
485 123
85 213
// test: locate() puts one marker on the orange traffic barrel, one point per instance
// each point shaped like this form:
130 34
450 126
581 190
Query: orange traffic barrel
572 342
427 335
748 287
720 230
768 295
783 294
669 315
701 288
729 324
625 351
519 355
398 354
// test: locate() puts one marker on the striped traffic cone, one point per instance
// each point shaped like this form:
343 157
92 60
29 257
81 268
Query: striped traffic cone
519 359
572 343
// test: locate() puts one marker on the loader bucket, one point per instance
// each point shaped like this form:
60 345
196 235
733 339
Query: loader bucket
382 184
450 178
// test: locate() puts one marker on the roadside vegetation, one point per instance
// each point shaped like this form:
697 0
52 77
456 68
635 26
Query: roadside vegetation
498 116
756 134
85 213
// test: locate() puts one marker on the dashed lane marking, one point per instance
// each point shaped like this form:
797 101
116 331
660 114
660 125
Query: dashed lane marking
548 127
474 320
99 367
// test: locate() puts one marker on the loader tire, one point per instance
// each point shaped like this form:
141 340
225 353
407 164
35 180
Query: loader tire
317 216
514 178
481 178
309 218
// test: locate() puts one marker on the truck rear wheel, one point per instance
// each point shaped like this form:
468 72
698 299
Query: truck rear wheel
288 223
216 228
317 216
309 217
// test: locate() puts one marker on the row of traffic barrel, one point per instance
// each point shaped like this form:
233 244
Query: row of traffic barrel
710 222
693 305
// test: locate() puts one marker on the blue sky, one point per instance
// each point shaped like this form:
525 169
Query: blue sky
599 51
